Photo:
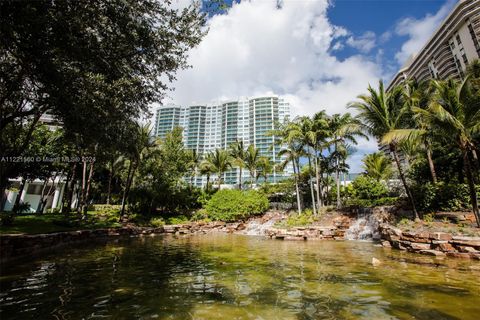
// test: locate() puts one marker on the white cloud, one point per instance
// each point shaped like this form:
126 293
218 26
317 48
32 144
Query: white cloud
257 48
364 43
419 31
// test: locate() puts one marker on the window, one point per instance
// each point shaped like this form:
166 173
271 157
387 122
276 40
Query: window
465 60
459 41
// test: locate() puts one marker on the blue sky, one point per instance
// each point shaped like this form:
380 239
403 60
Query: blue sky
382 17
318 54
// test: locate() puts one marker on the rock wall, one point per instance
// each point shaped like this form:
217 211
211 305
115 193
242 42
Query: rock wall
19 245
335 231
431 243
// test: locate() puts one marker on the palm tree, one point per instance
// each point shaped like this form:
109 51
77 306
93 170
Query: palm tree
207 168
302 132
194 159
141 144
238 153
322 132
455 111
344 128
382 112
221 162
417 97
265 167
377 166
292 154
251 162
115 164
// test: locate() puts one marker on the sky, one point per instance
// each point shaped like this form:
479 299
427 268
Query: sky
317 54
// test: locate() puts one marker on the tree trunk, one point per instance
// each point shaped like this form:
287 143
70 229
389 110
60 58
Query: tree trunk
125 190
82 192
68 207
42 198
471 186
317 178
430 162
311 185
110 177
337 179
299 207
19 194
208 182
240 179
87 191
393 149
219 180
66 190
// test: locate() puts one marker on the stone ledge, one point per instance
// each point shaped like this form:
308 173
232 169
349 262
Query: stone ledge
436 244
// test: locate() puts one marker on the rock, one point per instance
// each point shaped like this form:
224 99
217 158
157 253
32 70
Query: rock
469 241
435 253
294 238
386 244
459 255
445 247
376 262
440 236
467 249
420 246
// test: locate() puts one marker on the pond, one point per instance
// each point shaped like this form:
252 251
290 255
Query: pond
238 277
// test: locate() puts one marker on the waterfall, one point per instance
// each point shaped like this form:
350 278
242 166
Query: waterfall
258 226
365 227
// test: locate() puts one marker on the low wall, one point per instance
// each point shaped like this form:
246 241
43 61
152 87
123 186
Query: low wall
431 243
15 246
336 231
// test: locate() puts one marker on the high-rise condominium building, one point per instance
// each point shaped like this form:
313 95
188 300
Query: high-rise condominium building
211 126
451 48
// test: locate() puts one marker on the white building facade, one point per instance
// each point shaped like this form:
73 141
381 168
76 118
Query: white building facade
212 126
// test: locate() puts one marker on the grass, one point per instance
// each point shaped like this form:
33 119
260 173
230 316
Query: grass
48 223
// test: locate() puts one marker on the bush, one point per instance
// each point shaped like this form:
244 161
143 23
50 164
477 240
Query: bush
200 215
303 219
442 196
232 205
367 203
181 219
157 222
364 187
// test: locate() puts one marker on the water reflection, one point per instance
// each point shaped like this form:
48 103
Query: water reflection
238 277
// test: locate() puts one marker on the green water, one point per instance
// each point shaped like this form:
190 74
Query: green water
238 277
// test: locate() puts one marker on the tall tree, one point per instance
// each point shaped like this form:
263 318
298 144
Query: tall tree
380 113
377 166
221 162
94 66
238 153
455 111
265 167
140 145
344 128
251 162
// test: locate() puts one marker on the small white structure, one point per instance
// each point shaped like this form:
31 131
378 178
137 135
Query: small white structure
32 194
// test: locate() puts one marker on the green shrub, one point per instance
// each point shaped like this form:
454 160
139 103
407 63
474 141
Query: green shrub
181 219
442 196
429 218
232 205
364 187
367 203
200 215
157 222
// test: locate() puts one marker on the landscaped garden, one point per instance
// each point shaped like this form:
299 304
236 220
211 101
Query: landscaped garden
99 217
